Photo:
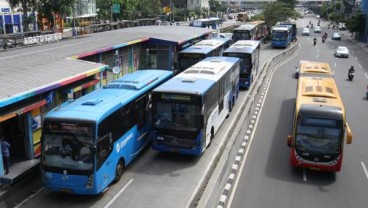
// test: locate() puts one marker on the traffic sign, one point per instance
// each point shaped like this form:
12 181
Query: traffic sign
115 8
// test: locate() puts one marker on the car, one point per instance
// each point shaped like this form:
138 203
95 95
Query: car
317 29
342 51
336 36
341 27
306 31
317 16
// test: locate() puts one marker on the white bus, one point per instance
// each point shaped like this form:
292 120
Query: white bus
190 108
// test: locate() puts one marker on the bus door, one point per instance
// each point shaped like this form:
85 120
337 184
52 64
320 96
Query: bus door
142 121
221 95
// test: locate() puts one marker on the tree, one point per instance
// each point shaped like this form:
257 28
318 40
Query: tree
26 5
277 12
356 23
49 8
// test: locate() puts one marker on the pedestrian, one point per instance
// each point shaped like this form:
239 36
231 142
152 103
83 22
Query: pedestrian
5 148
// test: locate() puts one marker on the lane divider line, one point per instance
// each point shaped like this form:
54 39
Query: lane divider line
365 169
118 194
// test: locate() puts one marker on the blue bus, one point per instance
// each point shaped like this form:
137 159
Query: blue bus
281 36
293 28
201 50
212 22
87 143
248 52
189 109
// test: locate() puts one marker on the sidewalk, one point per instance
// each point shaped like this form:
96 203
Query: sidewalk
363 45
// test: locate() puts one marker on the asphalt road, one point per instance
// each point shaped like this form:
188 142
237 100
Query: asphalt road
266 178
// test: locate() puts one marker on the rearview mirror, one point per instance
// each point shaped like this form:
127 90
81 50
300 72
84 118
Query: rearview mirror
289 140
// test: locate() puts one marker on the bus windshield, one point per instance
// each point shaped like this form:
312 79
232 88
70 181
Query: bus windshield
176 115
68 146
242 35
187 60
319 136
245 63
280 35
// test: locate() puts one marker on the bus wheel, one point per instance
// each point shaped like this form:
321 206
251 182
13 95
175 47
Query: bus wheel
119 170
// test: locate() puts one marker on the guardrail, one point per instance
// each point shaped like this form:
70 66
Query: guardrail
210 193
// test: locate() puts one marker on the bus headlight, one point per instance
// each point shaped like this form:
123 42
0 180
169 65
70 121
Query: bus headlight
90 182
160 138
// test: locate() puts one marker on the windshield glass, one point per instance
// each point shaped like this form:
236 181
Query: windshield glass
242 35
321 136
187 60
175 115
279 35
68 146
245 63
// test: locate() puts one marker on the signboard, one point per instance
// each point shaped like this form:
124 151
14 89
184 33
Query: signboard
115 8
5 10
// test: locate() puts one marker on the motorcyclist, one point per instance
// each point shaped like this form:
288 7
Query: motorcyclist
324 37
351 70
314 41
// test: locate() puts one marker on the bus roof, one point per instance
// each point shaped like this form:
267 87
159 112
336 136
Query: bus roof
200 77
205 46
314 68
243 46
246 26
281 28
98 104
319 92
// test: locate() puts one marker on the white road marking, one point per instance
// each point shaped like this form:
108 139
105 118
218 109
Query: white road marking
305 175
356 59
360 66
365 169
118 194
335 64
28 198
366 76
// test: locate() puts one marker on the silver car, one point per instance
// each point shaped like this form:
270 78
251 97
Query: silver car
306 31
342 51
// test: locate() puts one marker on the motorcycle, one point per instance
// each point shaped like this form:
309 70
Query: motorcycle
351 76
7 43
323 40
314 42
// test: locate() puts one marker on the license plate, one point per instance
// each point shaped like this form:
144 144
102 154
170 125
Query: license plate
67 191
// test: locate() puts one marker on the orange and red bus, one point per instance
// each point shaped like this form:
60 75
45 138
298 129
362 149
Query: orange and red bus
320 129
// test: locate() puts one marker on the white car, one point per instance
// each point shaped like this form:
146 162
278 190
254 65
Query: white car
336 36
317 16
306 31
342 51
317 29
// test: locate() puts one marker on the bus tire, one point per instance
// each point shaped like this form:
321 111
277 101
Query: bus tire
119 170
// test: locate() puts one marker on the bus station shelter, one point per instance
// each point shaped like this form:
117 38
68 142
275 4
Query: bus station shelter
35 79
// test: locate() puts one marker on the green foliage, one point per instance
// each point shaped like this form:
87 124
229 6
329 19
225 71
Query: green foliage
277 12
47 8
130 9
356 23
257 17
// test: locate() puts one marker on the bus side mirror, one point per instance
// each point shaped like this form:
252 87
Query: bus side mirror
289 140
349 134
